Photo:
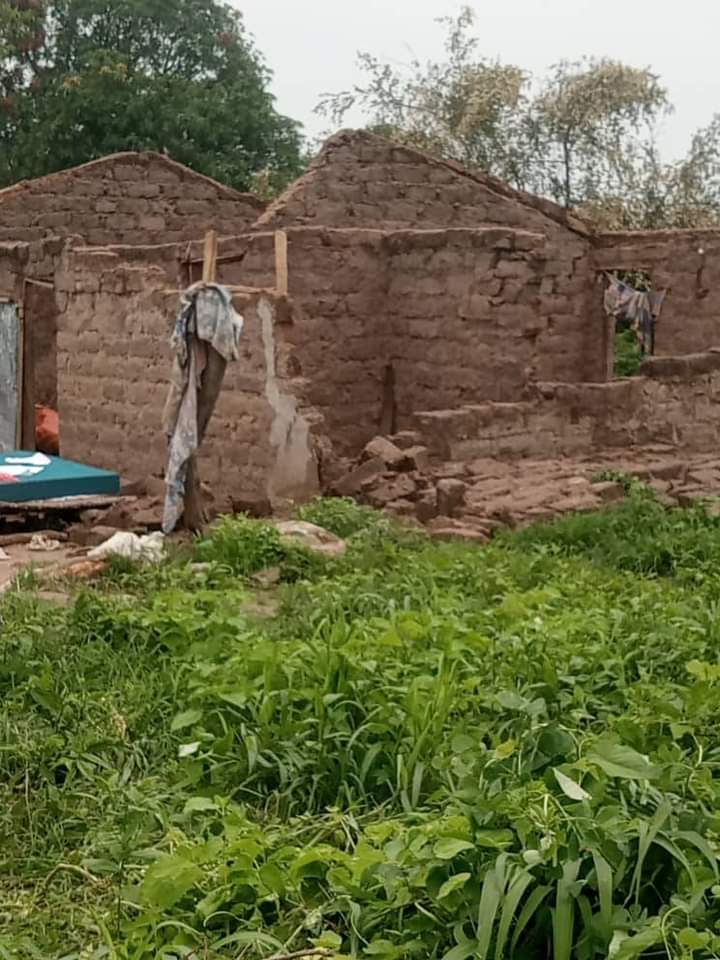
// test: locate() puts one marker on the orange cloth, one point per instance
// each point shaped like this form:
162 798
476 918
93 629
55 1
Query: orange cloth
47 430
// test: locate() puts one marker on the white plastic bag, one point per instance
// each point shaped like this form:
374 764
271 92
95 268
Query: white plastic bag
122 544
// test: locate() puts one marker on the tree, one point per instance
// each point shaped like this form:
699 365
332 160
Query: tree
586 127
83 78
583 136
465 107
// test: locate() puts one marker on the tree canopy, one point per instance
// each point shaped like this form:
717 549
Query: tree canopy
84 78
584 135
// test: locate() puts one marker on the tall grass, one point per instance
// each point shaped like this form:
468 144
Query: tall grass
431 751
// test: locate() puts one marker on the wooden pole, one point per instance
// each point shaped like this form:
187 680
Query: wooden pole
210 255
281 262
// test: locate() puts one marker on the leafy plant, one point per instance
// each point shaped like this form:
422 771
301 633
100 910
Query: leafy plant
430 750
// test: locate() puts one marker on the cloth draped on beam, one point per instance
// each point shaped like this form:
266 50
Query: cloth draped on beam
207 323
639 309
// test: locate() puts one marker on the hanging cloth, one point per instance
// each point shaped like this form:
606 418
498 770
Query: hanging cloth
206 337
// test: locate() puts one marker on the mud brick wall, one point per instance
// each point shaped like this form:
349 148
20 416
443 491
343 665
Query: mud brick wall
677 402
133 198
686 263
478 314
362 180
389 323
114 363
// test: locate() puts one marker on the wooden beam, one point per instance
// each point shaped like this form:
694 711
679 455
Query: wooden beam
210 256
281 262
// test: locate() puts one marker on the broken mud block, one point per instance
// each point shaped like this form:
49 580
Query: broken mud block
256 507
450 497
406 439
416 459
426 506
352 483
85 536
385 450
451 471
401 507
444 528
609 491
398 487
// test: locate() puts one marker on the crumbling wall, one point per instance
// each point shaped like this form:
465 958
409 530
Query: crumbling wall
676 402
363 180
391 322
130 198
685 263
114 364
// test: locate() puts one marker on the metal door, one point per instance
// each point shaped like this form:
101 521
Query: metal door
9 376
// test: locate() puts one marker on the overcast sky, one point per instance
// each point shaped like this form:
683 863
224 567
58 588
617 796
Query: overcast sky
311 45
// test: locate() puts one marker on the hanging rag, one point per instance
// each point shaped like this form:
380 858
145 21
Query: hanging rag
206 337
639 309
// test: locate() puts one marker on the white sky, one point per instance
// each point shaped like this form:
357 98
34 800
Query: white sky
311 45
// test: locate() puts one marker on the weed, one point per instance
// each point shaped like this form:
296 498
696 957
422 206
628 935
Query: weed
432 750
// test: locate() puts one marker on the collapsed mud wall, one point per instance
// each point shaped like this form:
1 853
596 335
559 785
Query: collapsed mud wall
114 363
391 322
684 263
676 402
131 198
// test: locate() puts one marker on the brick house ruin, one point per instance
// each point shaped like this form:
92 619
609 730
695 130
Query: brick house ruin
421 296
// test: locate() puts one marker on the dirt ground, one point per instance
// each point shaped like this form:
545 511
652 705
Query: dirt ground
22 557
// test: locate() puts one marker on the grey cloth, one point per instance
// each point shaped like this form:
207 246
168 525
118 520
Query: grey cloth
640 310
207 321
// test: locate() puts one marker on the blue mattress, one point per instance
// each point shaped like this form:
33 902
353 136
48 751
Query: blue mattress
61 478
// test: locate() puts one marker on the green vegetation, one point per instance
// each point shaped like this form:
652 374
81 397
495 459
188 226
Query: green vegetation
427 751
83 78
628 355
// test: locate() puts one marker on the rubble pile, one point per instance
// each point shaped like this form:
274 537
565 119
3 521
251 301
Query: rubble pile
470 501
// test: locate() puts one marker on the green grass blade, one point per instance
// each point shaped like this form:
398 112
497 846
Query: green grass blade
564 913
532 905
603 872
647 832
701 844
492 891
514 895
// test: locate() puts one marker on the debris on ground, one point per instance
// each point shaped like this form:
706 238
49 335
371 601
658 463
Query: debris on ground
150 548
312 537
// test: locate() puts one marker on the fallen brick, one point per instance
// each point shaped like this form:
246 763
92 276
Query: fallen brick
450 496
352 483
383 449
399 487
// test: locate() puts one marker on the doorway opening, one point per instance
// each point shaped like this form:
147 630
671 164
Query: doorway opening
41 427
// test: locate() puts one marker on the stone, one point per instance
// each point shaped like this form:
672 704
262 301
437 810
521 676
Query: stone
401 507
406 439
460 532
450 497
398 487
256 507
383 449
426 506
416 459
609 491
351 484
451 471
133 488
85 536
311 536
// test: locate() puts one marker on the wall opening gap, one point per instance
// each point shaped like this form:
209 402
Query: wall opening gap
632 306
